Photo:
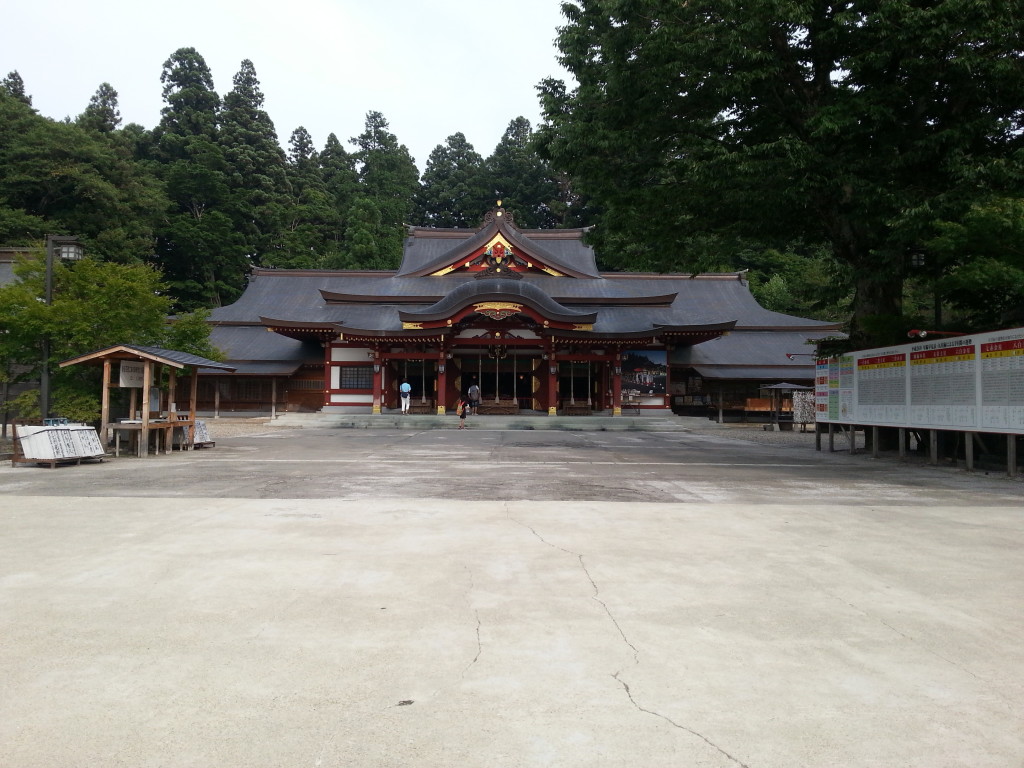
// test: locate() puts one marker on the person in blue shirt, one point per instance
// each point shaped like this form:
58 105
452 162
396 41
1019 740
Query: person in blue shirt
406 391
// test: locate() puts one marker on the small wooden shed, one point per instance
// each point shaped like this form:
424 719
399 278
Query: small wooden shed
151 407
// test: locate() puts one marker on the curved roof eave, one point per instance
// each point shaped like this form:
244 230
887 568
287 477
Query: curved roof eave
497 289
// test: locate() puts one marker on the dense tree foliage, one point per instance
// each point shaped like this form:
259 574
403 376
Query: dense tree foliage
825 147
859 125
95 304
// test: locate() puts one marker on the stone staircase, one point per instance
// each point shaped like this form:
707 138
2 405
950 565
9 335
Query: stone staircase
601 423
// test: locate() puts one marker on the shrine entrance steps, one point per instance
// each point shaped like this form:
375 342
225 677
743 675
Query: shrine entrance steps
662 422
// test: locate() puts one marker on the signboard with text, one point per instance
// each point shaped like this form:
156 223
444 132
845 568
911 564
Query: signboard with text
970 383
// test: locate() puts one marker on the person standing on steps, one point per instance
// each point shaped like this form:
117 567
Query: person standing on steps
474 397
406 391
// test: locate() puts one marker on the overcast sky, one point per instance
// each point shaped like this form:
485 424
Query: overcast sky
431 68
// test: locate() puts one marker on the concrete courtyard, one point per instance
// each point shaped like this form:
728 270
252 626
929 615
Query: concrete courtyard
315 597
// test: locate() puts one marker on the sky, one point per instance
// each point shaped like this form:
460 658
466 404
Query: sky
431 68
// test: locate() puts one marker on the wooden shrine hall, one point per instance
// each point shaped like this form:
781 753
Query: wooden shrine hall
525 314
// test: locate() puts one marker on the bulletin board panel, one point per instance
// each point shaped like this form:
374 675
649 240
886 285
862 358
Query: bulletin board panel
971 383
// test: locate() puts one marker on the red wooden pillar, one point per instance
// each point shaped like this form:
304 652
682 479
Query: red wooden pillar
378 381
617 385
327 375
442 382
552 385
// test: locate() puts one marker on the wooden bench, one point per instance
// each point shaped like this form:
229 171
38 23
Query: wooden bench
577 409
506 407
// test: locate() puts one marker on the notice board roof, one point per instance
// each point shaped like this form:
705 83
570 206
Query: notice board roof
171 357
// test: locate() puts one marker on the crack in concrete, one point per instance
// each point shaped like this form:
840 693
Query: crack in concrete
479 645
476 613
909 638
673 723
596 596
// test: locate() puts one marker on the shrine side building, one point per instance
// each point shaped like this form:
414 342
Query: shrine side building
523 313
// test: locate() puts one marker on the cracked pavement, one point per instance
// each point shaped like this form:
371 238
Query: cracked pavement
378 598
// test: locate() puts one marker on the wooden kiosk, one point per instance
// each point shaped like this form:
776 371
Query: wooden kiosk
154 412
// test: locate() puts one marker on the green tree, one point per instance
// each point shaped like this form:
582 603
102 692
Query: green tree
978 266
453 191
103 114
14 86
95 304
388 177
361 247
858 124
59 176
255 164
518 176
202 255
310 218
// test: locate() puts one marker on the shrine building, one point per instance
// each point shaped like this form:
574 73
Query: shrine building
523 313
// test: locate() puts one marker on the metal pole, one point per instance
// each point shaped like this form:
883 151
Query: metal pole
44 376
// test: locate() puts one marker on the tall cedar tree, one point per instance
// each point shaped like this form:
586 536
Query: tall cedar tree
338 168
311 218
453 190
202 255
61 178
854 123
255 164
520 178
390 181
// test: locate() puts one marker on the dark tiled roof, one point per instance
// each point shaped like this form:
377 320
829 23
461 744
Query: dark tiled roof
429 250
498 289
704 300
252 350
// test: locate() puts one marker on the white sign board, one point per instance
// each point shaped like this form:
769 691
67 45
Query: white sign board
132 374
969 383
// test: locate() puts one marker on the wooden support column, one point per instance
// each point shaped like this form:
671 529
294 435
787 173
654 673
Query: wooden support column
903 443
1011 455
442 382
969 450
831 437
933 446
378 383
874 442
105 402
147 383
273 397
552 385
617 385
193 398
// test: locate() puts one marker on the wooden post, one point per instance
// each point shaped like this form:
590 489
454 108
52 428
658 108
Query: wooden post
552 385
1011 455
442 383
903 442
378 385
874 442
721 406
105 402
933 446
831 437
147 383
193 398
616 386
969 450
273 397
